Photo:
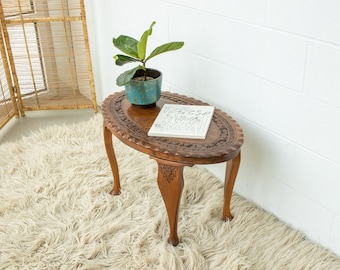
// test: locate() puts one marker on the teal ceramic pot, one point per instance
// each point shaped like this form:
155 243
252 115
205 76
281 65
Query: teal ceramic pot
144 93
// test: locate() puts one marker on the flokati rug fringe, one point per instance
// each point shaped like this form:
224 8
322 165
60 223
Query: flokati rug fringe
56 213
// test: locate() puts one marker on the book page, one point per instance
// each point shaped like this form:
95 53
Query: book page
183 121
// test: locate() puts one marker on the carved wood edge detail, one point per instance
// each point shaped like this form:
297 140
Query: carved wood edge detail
230 140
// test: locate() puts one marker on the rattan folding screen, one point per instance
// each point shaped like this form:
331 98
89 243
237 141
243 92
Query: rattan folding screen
45 60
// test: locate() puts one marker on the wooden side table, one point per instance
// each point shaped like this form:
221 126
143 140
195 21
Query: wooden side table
130 124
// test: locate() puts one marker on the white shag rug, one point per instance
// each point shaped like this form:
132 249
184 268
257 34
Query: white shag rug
56 213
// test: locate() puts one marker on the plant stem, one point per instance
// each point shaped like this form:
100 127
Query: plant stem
144 71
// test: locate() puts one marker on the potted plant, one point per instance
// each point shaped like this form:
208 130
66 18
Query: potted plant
142 84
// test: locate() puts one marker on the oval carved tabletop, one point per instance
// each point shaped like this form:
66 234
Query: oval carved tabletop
131 124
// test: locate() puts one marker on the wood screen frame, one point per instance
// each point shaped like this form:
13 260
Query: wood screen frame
74 80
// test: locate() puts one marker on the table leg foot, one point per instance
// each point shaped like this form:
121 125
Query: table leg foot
230 177
170 183
173 242
113 161
114 192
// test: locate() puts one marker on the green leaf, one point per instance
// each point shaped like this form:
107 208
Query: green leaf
171 46
141 46
125 77
126 44
121 59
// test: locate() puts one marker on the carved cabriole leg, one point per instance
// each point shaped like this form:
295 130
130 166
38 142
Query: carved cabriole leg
113 161
230 177
170 183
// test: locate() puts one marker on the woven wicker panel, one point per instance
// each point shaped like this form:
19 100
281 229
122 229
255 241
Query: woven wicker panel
8 107
49 55
15 7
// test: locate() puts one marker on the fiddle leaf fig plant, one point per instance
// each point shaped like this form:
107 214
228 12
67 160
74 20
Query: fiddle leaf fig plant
135 51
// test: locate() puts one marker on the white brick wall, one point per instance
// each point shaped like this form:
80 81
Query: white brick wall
274 65
317 19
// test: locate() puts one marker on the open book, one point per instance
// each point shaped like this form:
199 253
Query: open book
182 121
